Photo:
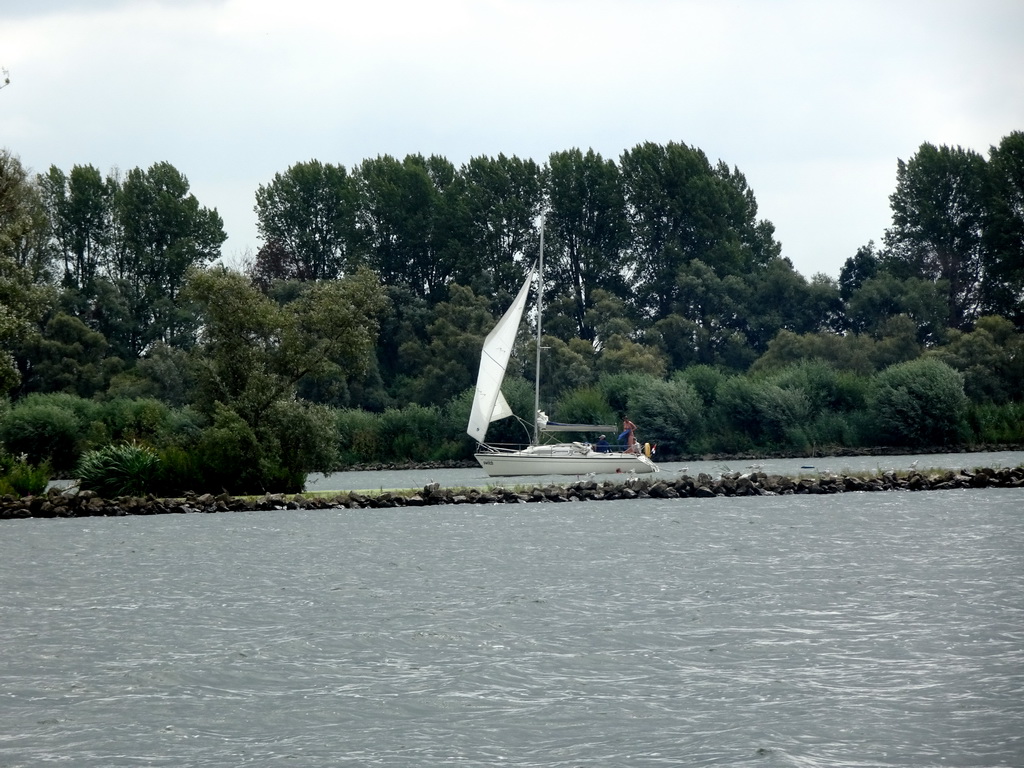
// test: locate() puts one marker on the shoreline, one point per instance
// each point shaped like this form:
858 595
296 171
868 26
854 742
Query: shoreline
73 503
826 452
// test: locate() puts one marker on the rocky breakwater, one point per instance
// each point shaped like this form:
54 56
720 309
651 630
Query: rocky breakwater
72 502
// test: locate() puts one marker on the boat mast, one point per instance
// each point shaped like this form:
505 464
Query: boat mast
540 313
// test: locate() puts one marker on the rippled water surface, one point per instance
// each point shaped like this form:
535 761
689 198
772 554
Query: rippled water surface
475 477
851 630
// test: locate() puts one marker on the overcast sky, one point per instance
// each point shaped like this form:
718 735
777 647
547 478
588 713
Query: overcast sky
813 100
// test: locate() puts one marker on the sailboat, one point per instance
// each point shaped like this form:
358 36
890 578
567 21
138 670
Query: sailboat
575 458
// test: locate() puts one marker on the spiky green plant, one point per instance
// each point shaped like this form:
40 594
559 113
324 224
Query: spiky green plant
20 478
125 469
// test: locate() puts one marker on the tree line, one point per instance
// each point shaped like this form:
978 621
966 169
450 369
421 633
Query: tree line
373 287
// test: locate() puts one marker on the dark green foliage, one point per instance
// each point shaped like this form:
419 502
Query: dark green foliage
994 424
18 477
118 469
299 438
412 434
919 403
180 472
618 388
307 218
668 413
659 278
825 388
47 428
705 381
230 456
358 436
415 433
135 419
991 358
585 405
66 357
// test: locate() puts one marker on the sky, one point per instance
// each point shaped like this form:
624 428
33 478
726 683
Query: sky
814 101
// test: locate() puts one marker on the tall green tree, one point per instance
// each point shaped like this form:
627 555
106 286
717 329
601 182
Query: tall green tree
80 211
400 221
586 231
504 199
450 357
67 356
162 233
862 266
23 301
306 217
939 212
881 298
684 209
991 359
1003 287
253 351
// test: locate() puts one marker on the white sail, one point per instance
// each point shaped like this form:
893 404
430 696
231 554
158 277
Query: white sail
488 402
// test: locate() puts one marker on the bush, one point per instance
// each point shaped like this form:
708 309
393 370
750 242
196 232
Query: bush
358 436
993 423
42 432
302 436
617 388
763 413
669 413
736 408
779 411
413 433
19 478
125 469
825 388
52 427
705 380
135 419
230 457
918 403
585 405
180 471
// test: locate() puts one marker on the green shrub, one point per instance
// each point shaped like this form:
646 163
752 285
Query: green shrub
357 435
705 379
124 469
412 433
825 388
827 430
455 416
42 432
135 419
585 405
303 436
779 411
766 414
992 423
736 408
230 456
19 478
179 472
920 402
668 413
617 388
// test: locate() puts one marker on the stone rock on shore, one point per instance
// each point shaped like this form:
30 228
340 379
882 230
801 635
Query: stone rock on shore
71 502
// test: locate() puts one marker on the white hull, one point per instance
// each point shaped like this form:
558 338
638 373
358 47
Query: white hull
562 459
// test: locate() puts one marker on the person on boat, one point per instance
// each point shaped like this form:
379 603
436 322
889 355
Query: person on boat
602 444
628 428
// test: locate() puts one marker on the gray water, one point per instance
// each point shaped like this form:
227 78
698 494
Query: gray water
880 629
475 477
